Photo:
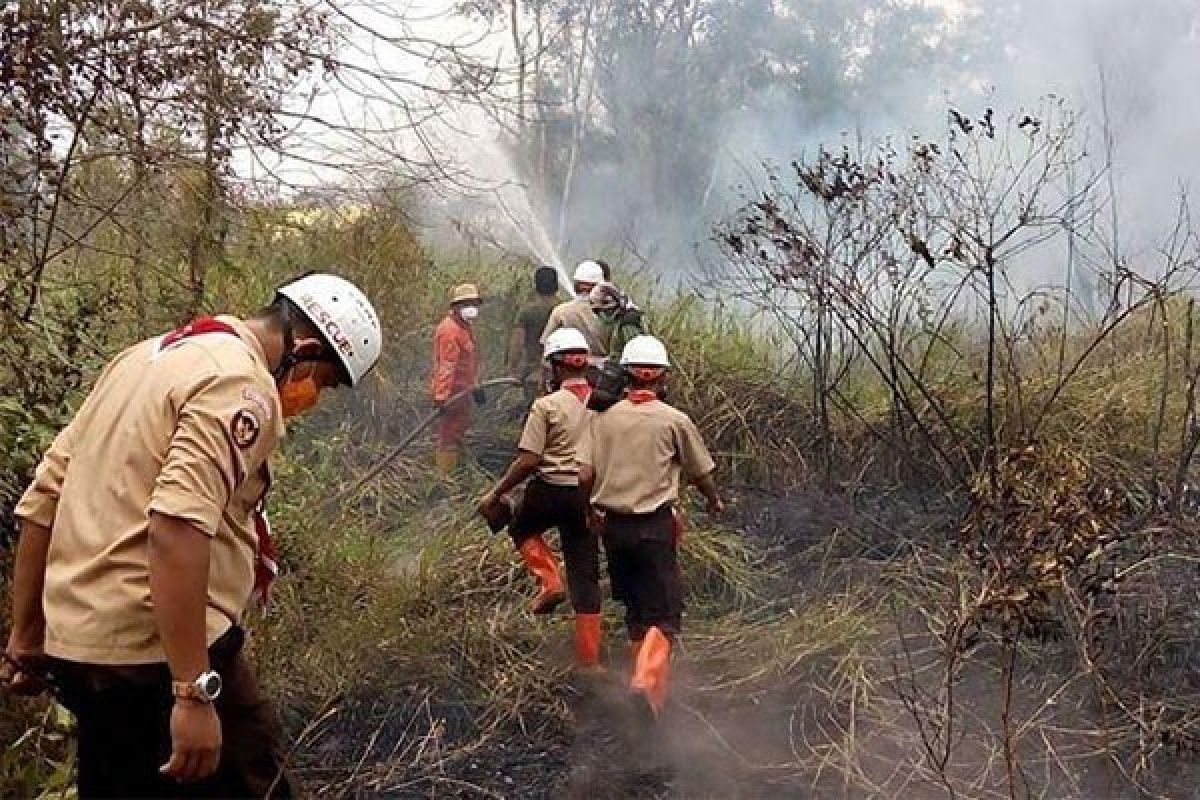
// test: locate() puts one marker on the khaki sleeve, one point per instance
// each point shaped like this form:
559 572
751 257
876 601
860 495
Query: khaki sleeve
693 455
583 450
537 427
220 437
39 504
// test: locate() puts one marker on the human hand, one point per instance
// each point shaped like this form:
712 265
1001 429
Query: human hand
487 504
22 670
195 741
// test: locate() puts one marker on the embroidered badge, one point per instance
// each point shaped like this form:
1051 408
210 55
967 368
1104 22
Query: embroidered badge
245 428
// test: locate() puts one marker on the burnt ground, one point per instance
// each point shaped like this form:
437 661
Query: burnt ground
711 742
856 718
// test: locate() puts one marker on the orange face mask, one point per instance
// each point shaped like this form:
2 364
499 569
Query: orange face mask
298 396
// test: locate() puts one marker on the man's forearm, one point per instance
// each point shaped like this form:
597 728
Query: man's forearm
708 487
29 580
178 555
587 480
525 465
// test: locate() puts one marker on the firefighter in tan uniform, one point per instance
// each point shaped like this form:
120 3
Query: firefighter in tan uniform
633 459
553 499
577 313
143 539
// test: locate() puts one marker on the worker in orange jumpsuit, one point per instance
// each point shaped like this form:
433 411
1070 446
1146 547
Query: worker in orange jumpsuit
455 370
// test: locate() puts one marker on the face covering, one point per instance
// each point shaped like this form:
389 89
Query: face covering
468 313
298 395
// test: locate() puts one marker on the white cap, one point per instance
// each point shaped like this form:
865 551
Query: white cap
644 351
564 340
589 272
344 317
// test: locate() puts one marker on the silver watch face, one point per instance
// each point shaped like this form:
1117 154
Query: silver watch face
209 684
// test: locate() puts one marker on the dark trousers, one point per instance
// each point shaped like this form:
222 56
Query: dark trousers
546 506
123 724
644 570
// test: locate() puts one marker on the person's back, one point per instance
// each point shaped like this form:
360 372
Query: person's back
665 446
632 459
548 458
577 313
531 319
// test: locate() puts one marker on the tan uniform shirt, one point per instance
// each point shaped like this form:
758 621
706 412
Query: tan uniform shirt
552 430
184 431
578 314
640 453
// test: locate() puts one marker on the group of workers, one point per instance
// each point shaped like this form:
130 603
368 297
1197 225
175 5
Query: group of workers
144 540
601 312
575 471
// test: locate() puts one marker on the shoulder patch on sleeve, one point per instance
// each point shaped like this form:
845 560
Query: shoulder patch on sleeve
245 428
258 399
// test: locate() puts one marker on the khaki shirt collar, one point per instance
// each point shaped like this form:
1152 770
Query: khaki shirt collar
246 335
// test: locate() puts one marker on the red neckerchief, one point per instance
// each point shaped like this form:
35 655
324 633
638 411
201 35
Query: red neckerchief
580 388
266 565
266 561
639 396
197 327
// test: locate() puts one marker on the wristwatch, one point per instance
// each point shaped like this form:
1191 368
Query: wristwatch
205 689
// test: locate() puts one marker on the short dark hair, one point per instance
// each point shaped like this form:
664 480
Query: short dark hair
545 280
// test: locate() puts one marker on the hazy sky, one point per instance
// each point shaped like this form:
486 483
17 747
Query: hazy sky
1150 66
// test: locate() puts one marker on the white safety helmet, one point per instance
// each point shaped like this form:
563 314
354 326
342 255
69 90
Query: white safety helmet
644 351
564 340
589 272
344 317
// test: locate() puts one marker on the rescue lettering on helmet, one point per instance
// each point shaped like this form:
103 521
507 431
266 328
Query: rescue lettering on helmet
328 324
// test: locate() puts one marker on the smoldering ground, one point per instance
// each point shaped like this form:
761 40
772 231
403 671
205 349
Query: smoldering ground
814 664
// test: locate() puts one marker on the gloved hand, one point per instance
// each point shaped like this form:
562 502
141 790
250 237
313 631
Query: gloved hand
480 396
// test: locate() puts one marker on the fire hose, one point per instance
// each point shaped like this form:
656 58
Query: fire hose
384 463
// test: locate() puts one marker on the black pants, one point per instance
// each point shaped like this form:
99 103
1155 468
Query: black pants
644 569
123 723
546 506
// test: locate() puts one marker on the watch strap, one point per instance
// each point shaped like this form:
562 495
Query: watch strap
187 690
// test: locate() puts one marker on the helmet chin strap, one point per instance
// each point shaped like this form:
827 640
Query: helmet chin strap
288 360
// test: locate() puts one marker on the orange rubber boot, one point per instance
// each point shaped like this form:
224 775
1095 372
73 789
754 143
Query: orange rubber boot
652 669
541 563
587 642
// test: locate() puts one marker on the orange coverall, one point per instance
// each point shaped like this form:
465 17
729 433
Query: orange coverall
455 368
